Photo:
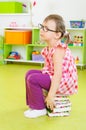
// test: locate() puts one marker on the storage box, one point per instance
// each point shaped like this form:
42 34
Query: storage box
11 7
77 24
37 57
18 36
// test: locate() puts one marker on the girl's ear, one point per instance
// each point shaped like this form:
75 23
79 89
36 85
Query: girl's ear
58 35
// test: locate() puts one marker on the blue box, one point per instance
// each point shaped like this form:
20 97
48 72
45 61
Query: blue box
77 24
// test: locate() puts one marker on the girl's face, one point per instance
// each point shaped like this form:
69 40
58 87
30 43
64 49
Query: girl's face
48 31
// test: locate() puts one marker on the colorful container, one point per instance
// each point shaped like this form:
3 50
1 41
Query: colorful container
77 24
37 57
16 36
11 7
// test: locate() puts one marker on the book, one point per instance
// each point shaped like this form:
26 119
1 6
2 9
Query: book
61 105
58 114
61 99
62 109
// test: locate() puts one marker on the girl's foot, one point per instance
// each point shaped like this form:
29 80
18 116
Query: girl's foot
32 113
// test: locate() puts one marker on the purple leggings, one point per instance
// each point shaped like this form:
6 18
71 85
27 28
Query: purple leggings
35 82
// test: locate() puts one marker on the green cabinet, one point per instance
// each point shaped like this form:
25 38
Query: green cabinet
36 46
1 50
78 45
25 50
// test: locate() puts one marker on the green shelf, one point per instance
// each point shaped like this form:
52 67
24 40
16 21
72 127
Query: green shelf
75 47
37 45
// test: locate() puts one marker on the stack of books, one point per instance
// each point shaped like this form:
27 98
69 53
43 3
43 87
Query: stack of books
62 106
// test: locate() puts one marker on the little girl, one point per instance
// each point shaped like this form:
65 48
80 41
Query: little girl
59 74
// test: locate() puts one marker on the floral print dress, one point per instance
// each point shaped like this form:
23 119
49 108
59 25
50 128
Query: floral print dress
68 84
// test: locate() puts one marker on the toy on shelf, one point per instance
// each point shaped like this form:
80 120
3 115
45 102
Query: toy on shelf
77 60
14 55
13 24
78 41
36 56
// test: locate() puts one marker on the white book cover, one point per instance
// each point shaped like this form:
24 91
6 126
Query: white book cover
60 105
61 99
58 114
62 109
62 102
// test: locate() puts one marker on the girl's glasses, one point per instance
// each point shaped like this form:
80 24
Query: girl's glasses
45 28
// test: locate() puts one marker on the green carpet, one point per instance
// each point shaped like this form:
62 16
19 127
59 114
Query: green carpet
12 103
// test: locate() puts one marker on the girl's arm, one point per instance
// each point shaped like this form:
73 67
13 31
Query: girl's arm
57 60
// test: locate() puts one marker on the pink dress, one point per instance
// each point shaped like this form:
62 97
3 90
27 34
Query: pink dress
68 84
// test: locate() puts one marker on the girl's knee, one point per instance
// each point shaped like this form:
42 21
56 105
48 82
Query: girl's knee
31 72
31 78
28 73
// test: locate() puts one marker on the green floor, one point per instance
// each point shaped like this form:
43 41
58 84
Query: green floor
12 103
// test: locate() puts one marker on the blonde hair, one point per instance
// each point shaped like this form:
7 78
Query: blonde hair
60 26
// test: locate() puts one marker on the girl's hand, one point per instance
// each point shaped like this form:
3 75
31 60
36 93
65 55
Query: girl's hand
50 102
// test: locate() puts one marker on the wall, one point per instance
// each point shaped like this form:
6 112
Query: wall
69 9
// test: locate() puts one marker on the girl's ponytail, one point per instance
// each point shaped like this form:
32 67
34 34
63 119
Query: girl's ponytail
67 38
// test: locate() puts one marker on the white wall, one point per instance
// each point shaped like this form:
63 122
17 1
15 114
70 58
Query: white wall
69 9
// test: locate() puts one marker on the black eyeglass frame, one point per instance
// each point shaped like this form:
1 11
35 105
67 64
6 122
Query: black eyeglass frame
45 28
